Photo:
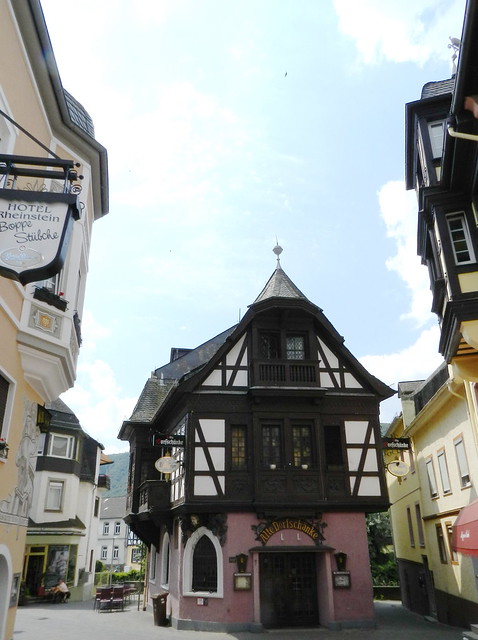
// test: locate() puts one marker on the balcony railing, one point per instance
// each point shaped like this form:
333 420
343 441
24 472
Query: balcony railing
104 481
154 495
286 373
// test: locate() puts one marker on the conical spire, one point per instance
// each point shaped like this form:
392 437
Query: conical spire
279 284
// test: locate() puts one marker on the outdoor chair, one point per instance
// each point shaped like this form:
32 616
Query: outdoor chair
117 600
103 602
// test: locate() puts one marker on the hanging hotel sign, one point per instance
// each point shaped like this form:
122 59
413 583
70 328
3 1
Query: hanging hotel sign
396 443
266 530
167 464
162 440
34 232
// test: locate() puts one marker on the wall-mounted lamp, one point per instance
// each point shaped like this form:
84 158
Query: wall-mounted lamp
43 418
341 560
241 560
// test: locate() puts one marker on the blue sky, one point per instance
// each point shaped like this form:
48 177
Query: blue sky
229 124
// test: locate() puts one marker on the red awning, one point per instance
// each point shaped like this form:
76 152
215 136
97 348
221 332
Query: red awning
465 530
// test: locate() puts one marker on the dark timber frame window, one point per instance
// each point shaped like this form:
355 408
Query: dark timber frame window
295 347
238 448
276 345
334 455
204 576
302 445
270 345
271 445
288 444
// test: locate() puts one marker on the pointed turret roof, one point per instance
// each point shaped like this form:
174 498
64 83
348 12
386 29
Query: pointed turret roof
279 284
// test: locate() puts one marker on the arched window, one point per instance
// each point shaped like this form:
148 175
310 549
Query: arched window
165 550
203 565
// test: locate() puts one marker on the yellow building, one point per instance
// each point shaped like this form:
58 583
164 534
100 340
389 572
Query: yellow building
440 479
39 322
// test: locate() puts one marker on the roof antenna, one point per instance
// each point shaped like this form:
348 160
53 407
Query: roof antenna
455 44
277 250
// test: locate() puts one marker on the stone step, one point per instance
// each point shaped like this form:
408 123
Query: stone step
470 635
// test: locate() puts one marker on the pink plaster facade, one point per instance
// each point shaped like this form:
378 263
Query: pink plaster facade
241 610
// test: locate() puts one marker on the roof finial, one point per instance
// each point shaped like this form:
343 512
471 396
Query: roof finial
455 44
277 250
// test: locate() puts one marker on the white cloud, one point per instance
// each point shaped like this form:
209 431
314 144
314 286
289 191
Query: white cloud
401 31
398 209
416 362
99 404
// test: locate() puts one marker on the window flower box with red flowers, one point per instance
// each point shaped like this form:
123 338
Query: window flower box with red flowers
3 448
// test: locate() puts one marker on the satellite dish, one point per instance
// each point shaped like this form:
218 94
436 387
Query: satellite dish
398 468
167 464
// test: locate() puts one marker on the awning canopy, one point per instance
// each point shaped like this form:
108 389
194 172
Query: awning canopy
465 530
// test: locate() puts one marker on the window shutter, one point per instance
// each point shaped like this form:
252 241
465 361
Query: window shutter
4 384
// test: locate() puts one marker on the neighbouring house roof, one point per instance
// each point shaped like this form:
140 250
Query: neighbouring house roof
62 527
113 507
62 415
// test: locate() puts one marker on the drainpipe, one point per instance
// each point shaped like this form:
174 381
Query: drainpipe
450 124
463 136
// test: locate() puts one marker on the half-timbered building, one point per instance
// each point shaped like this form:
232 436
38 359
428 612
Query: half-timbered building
254 459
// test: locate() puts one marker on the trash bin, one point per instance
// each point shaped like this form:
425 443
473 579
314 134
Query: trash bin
159 608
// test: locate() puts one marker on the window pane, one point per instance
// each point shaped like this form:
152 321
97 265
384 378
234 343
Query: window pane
302 445
436 138
270 345
54 495
462 462
204 566
453 553
334 458
295 347
61 446
271 445
441 544
431 479
460 239
410 528
238 448
418 514
445 480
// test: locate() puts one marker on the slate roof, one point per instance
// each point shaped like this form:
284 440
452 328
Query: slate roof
62 415
79 115
113 507
432 89
279 285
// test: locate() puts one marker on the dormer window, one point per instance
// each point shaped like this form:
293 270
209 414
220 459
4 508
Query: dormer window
430 150
436 133
272 346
